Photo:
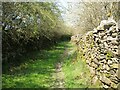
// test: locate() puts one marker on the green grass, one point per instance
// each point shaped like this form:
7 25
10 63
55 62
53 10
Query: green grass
39 66
77 74
36 71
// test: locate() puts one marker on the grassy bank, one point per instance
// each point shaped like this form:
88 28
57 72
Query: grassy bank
77 74
35 72
38 68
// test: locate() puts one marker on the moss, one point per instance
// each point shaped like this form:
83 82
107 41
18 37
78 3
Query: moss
91 45
99 68
107 75
109 55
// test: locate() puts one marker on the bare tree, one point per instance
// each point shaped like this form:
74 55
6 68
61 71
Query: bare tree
93 12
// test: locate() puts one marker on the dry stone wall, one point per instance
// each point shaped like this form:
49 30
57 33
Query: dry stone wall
100 49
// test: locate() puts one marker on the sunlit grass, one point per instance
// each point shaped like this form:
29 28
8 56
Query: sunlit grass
77 74
38 68
74 75
36 71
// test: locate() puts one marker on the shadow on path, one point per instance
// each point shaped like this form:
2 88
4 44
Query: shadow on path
36 71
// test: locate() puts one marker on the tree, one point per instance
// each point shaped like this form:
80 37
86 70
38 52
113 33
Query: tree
93 12
30 26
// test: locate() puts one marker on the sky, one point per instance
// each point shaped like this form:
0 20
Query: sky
71 11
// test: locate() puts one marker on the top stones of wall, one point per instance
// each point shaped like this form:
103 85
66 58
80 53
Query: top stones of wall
105 25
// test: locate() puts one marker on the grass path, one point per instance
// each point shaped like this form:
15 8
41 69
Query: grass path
52 68
37 71
59 74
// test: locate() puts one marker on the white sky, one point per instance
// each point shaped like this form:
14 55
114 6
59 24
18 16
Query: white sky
71 10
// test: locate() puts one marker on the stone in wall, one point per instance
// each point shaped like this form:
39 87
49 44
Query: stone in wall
100 48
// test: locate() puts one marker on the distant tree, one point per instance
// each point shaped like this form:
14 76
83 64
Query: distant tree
30 26
94 12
